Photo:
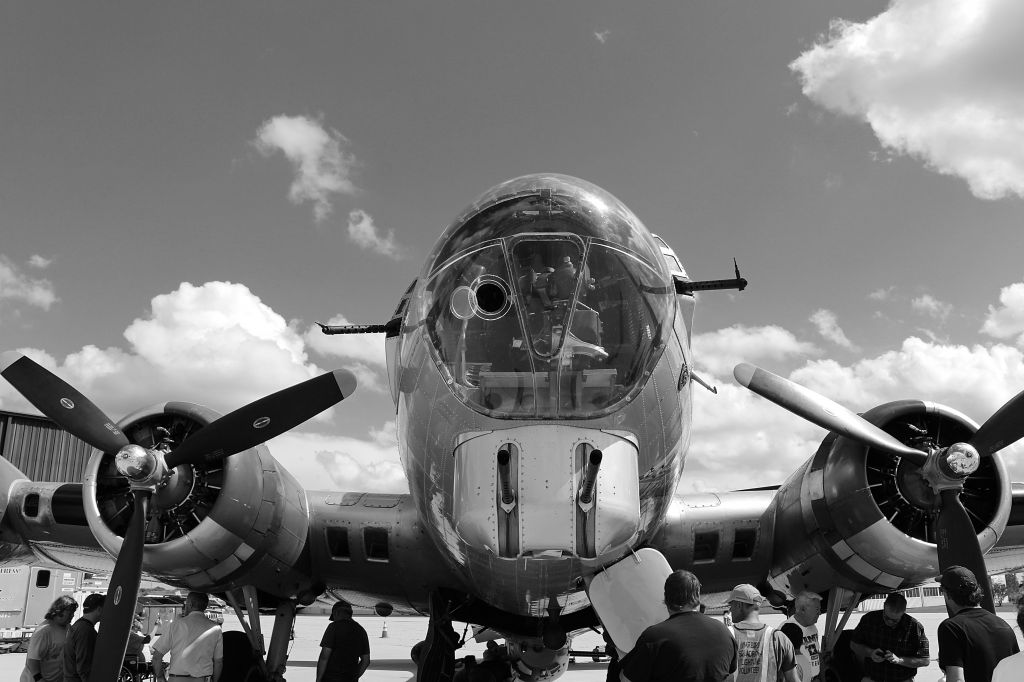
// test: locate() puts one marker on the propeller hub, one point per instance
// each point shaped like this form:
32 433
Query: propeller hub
135 462
960 460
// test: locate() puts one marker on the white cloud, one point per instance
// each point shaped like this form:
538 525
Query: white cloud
16 286
939 81
322 167
927 304
40 262
883 294
828 327
719 351
742 441
386 435
330 462
1007 321
216 344
219 345
364 233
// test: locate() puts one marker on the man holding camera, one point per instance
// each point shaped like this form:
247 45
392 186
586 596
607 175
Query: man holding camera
891 643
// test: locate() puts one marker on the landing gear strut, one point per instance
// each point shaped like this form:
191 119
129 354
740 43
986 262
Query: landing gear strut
838 598
437 655
283 632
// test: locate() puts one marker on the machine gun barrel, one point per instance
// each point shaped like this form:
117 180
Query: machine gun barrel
505 478
590 479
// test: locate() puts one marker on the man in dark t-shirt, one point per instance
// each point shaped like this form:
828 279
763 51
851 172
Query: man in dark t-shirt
688 647
344 649
81 640
972 641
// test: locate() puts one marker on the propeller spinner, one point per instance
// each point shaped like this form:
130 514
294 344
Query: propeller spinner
148 469
944 469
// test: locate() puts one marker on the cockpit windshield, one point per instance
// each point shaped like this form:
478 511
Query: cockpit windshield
553 311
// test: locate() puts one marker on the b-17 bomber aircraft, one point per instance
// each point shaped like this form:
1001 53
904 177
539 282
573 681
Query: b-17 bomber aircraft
543 381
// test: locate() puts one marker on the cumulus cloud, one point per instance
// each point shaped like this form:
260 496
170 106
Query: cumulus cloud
386 435
363 232
40 262
741 440
719 351
321 461
216 344
16 286
883 294
828 327
322 166
927 304
939 81
1007 320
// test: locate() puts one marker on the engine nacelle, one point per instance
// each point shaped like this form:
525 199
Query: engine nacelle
862 519
244 519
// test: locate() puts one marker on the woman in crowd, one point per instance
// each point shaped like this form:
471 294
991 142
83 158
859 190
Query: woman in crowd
45 650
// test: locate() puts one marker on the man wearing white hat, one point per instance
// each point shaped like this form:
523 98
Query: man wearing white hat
763 653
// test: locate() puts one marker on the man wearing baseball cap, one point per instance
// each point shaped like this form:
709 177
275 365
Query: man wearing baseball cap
802 630
971 641
763 653
344 648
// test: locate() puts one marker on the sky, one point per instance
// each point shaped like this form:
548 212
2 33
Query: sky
187 187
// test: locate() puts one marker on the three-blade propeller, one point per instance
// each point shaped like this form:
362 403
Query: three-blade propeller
956 539
240 430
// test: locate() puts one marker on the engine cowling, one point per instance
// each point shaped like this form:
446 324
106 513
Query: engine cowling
862 519
240 520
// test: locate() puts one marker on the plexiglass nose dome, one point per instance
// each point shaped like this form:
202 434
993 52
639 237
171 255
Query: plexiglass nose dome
547 297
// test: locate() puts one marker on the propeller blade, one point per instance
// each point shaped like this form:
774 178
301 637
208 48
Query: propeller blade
264 419
62 403
119 607
1003 428
819 410
958 543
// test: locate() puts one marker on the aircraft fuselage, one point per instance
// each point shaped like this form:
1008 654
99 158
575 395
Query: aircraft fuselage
543 328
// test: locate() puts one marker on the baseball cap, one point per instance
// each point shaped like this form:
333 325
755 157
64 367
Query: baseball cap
958 580
339 608
746 594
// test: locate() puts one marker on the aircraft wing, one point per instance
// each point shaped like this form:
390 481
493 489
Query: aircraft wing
756 536
266 531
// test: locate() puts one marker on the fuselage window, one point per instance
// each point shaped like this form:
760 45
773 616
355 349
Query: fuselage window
705 546
43 579
375 542
743 543
337 542
31 505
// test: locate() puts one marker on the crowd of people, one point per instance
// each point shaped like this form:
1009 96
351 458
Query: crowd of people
974 645
60 651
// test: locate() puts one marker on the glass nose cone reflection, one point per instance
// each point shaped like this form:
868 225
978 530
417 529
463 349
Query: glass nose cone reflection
557 310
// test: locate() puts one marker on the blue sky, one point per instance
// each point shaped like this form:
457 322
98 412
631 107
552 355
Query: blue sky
187 187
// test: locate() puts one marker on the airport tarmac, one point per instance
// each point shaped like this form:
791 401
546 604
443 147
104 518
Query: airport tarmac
391 661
